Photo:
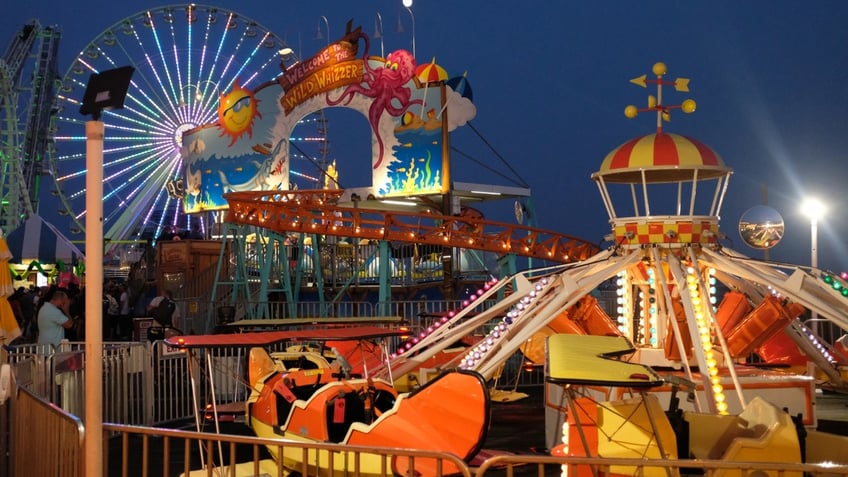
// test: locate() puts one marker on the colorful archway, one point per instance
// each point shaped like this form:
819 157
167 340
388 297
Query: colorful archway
407 106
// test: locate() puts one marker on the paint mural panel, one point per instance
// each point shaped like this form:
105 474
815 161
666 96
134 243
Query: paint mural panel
411 109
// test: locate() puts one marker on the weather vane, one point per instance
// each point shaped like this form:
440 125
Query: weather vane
656 103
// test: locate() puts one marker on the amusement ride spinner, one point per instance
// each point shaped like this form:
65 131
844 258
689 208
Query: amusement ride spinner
185 58
667 263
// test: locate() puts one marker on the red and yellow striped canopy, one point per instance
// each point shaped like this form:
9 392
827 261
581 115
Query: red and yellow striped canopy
430 72
663 157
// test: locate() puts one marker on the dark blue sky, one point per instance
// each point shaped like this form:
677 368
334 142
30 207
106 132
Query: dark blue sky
550 84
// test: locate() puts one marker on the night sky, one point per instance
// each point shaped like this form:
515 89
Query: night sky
551 80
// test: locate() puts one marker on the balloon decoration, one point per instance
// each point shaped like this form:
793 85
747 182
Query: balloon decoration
60 274
34 265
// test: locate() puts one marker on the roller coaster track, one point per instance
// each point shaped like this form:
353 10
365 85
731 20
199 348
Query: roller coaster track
317 212
27 77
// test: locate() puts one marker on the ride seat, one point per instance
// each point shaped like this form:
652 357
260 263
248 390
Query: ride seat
354 411
761 433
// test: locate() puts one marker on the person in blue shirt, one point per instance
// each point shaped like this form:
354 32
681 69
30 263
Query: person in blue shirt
52 320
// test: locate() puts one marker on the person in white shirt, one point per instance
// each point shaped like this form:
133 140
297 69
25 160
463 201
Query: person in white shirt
53 320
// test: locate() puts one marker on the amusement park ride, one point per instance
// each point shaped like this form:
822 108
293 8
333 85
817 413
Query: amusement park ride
27 90
690 312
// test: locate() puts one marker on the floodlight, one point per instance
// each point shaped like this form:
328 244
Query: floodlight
106 90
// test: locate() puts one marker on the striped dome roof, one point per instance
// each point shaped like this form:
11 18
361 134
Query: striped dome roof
663 157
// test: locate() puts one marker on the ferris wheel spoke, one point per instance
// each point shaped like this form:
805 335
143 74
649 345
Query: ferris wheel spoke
139 166
139 183
152 103
247 81
123 220
166 67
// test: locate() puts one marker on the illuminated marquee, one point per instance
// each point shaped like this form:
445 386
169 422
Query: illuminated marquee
321 81
333 67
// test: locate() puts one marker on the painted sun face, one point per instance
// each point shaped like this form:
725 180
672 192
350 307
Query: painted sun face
236 112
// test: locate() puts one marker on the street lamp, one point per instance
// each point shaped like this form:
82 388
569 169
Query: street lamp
105 90
400 24
318 34
814 209
378 33
286 54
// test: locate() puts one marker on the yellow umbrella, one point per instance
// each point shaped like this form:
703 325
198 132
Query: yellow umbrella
9 328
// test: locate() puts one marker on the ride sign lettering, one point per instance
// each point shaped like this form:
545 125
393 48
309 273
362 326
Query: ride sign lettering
330 68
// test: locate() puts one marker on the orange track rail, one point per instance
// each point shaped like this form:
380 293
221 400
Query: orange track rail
316 212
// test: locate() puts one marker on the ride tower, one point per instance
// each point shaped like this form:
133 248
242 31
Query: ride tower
689 303
663 193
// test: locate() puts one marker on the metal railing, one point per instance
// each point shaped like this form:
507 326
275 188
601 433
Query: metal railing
44 439
592 466
143 452
167 452
149 384
409 310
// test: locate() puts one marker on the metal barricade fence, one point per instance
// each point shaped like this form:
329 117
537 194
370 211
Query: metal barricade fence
131 367
56 449
31 364
154 452
150 384
44 440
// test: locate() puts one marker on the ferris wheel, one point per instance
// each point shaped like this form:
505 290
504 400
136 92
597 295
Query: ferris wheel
184 57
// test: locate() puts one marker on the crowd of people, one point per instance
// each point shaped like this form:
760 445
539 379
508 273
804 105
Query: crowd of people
48 315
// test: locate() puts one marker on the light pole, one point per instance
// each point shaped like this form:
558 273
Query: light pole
400 24
814 210
105 90
318 34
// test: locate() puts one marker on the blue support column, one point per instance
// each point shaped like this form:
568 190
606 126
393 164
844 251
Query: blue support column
232 246
241 287
317 267
385 293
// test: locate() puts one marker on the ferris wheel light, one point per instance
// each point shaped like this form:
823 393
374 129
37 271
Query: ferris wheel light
158 113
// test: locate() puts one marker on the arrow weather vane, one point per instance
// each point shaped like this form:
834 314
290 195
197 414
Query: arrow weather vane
655 103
